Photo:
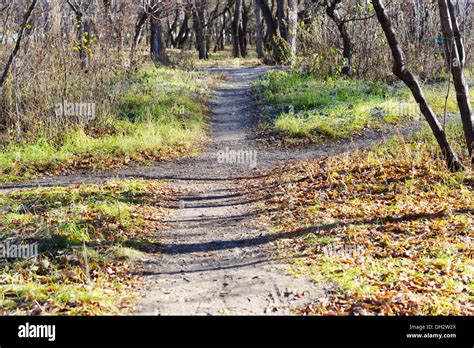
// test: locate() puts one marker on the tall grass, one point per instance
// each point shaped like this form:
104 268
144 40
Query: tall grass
307 107
162 113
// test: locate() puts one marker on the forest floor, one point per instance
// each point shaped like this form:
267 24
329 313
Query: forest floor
217 253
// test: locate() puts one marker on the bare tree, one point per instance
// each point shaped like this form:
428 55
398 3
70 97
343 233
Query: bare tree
183 33
332 12
282 21
455 57
84 35
157 45
235 28
272 26
401 71
142 18
293 27
243 29
200 27
258 31
16 49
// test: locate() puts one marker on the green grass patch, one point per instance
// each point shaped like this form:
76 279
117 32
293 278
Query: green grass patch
313 109
88 238
162 115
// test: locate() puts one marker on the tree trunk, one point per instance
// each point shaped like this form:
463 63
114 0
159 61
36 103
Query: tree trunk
183 32
271 27
282 24
12 56
400 70
235 29
198 23
83 36
220 29
457 33
243 30
85 45
223 33
293 28
258 31
268 17
157 45
142 17
454 46
171 39
346 40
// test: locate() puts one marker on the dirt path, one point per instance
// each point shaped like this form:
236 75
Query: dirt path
234 114
214 257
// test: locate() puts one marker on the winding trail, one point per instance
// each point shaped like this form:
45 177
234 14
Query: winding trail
234 114
214 256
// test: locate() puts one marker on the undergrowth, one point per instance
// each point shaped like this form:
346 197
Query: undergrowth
312 109
386 230
88 237
162 114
